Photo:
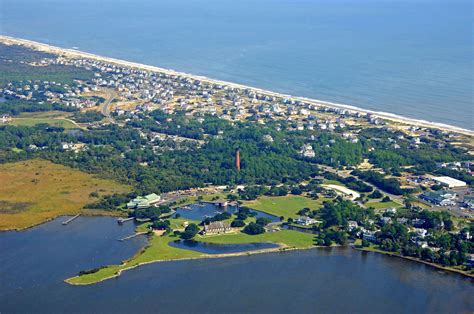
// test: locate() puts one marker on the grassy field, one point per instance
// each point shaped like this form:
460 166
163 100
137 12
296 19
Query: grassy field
290 238
35 191
158 250
57 122
383 205
286 206
53 118
205 198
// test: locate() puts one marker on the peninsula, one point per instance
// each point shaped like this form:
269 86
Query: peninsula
207 168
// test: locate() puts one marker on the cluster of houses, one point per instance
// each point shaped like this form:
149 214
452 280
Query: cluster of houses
181 92
173 92
51 92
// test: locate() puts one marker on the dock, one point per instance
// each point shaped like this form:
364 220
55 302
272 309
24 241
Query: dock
121 220
70 219
133 236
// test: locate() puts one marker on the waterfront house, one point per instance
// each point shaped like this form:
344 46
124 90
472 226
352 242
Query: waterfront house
217 227
144 201
369 236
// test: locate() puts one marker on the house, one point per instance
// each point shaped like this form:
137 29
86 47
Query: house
402 220
470 260
352 224
442 198
420 232
468 201
6 118
417 222
144 201
217 227
391 210
385 220
306 221
307 151
369 236
221 203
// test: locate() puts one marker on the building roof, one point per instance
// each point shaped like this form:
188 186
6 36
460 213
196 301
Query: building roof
451 182
216 225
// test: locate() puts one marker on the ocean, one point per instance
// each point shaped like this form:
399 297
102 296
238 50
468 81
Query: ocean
412 58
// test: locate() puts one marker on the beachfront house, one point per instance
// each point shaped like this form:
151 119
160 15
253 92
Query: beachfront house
144 201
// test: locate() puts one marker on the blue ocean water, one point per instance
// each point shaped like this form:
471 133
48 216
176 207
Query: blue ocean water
413 58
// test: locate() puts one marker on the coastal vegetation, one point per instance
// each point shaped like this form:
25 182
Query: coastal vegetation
34 191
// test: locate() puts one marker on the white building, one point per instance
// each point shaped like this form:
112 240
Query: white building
449 182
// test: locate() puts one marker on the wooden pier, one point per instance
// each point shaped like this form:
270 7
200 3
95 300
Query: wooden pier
121 220
70 219
133 236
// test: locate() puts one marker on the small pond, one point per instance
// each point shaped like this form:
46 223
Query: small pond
213 248
199 211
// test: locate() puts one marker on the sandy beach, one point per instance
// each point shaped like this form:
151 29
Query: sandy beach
72 53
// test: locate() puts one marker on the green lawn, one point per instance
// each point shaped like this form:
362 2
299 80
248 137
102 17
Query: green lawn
334 182
286 206
158 250
382 205
205 198
290 238
51 121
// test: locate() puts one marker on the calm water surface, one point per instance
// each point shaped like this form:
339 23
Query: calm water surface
213 248
199 211
413 58
34 263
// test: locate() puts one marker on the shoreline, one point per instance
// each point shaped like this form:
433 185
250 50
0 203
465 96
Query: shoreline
282 248
417 260
83 212
380 114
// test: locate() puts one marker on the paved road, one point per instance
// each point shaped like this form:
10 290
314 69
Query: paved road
396 198
105 106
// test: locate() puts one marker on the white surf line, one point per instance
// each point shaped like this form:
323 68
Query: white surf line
380 114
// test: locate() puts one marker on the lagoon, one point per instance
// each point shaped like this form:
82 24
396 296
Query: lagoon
34 263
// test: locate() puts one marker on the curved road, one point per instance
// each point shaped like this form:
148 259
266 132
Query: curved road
105 106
